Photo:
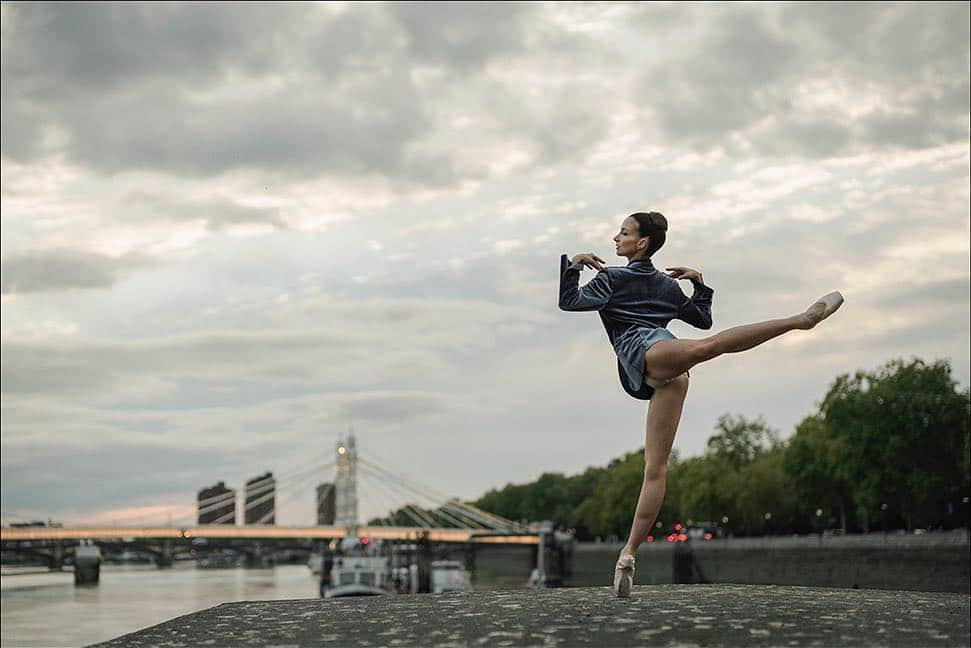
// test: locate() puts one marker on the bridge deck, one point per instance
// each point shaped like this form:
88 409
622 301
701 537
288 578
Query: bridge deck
260 532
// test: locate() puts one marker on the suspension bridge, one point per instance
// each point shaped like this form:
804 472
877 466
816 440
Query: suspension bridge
415 512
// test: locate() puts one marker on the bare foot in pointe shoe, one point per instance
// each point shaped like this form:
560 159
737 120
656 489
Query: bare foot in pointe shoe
624 575
823 308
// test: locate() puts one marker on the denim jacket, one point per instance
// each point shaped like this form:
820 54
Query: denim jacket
634 302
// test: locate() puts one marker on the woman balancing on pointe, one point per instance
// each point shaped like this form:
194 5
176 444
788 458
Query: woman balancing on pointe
636 303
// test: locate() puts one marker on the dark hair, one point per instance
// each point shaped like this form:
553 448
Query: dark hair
654 225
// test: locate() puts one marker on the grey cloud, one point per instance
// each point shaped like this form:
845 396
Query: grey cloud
914 129
462 35
60 57
100 367
820 137
728 82
390 407
669 17
299 131
734 86
324 344
95 47
563 124
216 214
131 86
935 296
886 42
48 477
574 123
300 90
144 103
63 269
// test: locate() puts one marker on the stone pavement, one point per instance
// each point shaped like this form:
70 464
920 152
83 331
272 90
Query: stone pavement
656 615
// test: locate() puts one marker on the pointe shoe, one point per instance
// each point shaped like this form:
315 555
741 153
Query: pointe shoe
624 576
831 303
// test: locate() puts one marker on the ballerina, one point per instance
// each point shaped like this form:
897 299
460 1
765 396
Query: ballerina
636 302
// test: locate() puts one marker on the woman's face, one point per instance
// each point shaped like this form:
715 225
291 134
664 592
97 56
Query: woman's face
627 238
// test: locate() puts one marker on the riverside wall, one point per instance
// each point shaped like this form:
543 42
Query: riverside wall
931 563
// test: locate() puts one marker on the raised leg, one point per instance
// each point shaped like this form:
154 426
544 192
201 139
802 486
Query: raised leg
663 417
670 358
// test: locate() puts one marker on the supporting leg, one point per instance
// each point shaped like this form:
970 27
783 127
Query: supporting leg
663 417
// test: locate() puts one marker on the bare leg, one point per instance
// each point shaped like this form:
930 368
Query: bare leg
663 416
670 358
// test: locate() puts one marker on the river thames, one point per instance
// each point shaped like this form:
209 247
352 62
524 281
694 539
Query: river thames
46 609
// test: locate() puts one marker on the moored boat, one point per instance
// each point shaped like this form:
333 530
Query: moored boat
359 576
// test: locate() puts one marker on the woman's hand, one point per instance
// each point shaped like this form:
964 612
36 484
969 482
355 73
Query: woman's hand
679 272
590 260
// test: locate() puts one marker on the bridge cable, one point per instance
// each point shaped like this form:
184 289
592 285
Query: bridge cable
436 512
413 485
388 496
430 513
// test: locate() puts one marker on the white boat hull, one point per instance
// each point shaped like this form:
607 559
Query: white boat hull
353 590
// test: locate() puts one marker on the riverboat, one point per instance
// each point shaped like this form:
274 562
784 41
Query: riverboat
359 576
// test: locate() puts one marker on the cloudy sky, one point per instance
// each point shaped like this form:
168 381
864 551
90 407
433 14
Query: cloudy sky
231 233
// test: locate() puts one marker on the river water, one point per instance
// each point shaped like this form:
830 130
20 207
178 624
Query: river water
46 609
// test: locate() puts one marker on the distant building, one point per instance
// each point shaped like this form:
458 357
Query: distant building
217 505
261 500
326 510
36 523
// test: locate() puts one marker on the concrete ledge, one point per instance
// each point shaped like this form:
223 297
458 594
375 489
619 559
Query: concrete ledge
708 615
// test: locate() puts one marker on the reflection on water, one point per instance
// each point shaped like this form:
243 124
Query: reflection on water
46 609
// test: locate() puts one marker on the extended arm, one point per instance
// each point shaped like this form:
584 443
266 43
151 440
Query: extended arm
593 296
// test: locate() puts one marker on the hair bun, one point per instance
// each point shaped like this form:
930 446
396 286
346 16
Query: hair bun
655 220
659 221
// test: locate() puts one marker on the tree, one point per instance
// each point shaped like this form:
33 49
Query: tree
740 441
698 491
609 508
904 432
763 494
553 496
814 460
897 436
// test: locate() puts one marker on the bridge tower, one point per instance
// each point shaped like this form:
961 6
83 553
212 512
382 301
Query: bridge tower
346 483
